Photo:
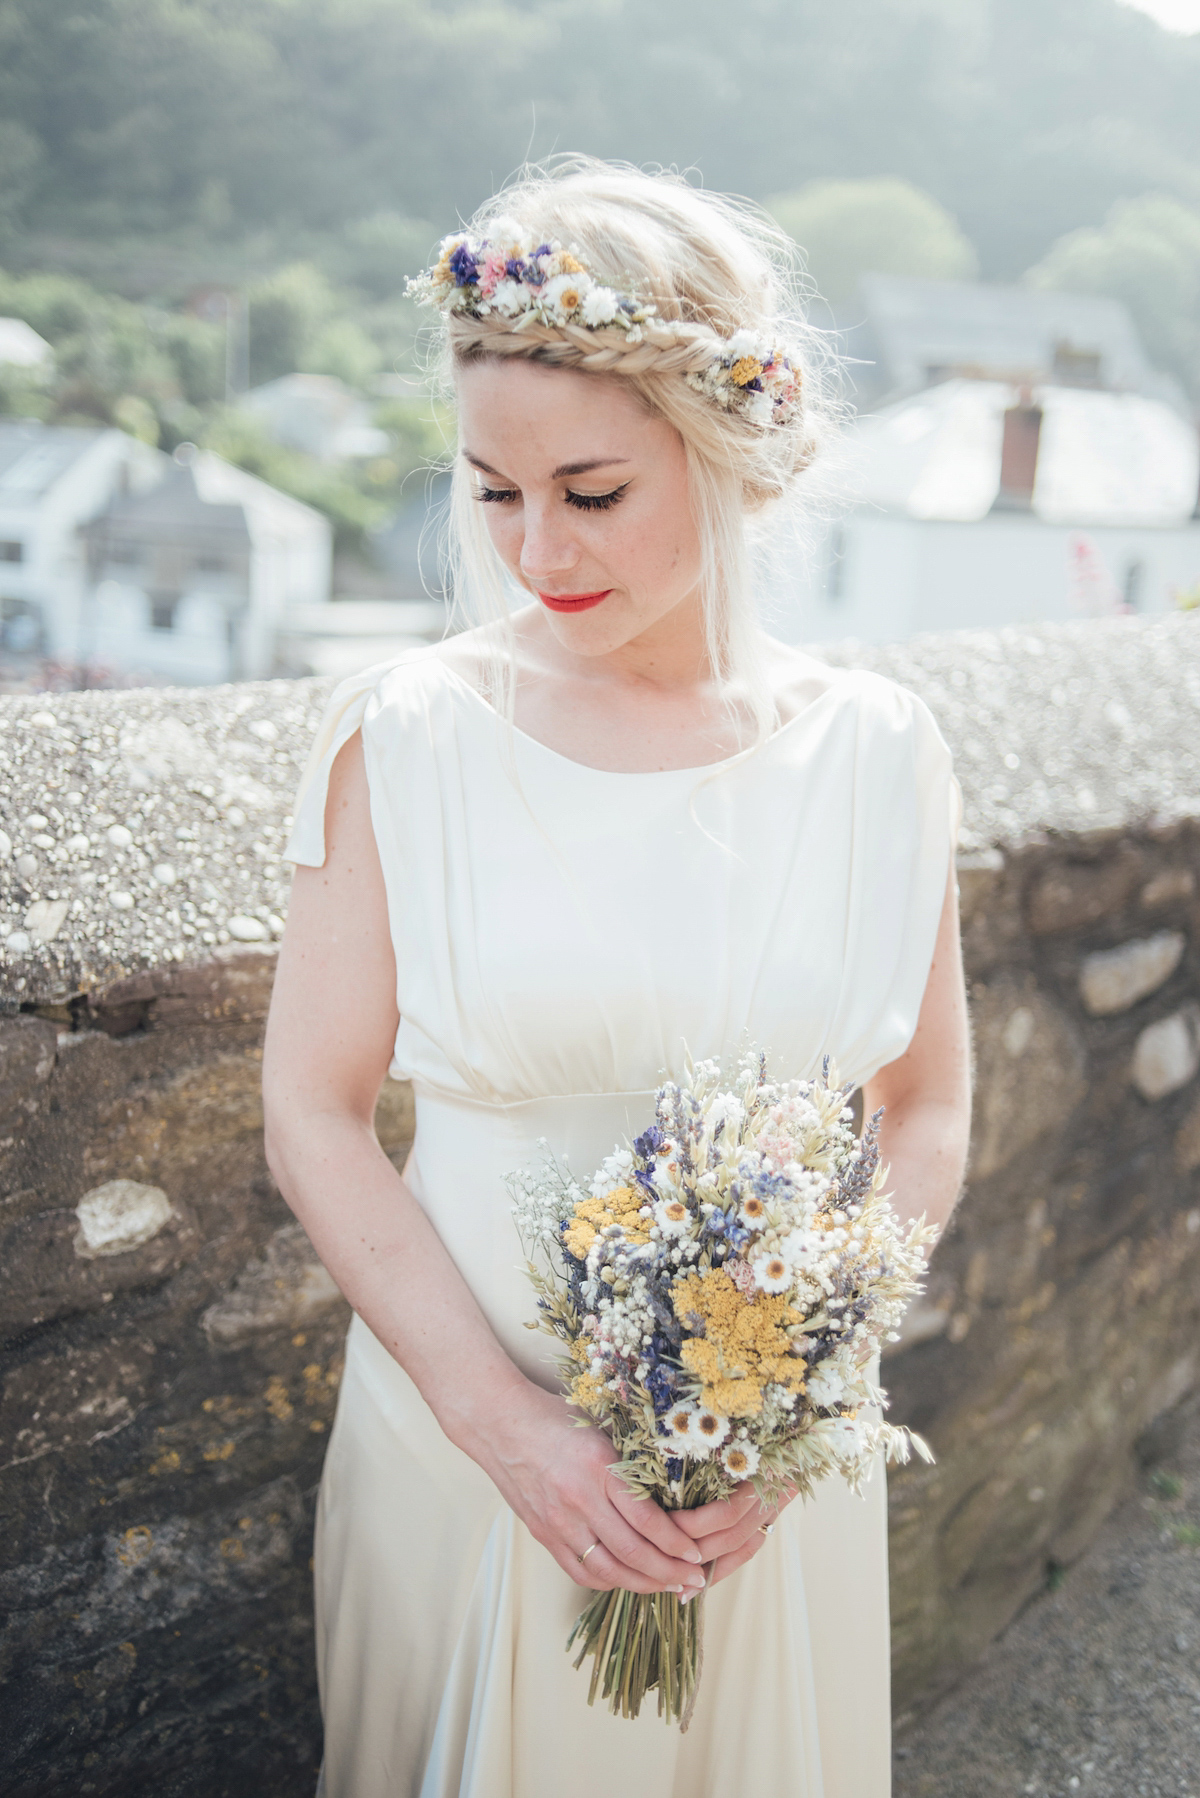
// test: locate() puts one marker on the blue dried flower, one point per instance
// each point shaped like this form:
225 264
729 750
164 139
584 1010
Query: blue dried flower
649 1142
464 266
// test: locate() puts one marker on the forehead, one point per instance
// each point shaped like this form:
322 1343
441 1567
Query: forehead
516 408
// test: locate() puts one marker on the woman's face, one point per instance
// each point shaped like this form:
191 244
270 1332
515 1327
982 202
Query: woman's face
586 500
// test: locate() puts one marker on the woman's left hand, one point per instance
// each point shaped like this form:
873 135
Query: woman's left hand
730 1532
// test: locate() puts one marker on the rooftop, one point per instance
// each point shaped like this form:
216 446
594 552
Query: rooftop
34 456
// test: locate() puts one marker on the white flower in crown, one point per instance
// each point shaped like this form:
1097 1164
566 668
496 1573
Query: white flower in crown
510 298
563 296
600 307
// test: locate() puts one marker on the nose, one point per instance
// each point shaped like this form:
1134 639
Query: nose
548 546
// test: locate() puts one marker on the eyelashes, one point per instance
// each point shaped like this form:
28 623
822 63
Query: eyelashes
583 502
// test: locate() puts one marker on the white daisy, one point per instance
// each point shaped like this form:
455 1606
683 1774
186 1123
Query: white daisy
706 1432
740 1459
678 1422
771 1272
672 1216
563 296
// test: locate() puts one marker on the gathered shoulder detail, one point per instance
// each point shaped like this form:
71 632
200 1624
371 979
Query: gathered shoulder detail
349 708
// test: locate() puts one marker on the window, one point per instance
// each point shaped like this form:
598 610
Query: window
212 565
1135 575
11 551
162 614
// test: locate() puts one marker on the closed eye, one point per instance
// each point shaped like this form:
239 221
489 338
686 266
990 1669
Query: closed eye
596 502
495 495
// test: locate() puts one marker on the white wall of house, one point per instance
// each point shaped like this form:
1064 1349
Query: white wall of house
881 578
52 573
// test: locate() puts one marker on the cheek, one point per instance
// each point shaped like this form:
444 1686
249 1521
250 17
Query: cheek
504 527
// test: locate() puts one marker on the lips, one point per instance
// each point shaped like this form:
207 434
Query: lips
573 602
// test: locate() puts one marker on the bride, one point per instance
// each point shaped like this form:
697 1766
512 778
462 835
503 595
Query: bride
537 863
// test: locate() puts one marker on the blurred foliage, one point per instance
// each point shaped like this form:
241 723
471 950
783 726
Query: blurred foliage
1146 253
887 226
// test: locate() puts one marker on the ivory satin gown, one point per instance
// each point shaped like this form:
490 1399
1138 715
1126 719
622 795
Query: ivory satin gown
561 933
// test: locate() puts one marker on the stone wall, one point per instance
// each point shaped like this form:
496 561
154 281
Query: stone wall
171 1348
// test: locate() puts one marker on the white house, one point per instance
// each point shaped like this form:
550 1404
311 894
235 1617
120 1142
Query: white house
983 503
52 479
21 347
317 414
194 579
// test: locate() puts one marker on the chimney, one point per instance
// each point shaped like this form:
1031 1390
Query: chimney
1019 454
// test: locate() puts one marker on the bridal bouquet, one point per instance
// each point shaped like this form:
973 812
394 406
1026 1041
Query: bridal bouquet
720 1288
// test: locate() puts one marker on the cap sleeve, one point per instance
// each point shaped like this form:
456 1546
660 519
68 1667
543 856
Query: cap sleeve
906 819
344 713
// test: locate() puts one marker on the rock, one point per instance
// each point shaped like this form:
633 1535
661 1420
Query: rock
1167 1054
1187 1142
285 1290
247 930
119 836
119 1216
18 942
1167 888
27 865
121 900
5 845
1076 894
1115 979
78 844
1030 1071
45 918
164 873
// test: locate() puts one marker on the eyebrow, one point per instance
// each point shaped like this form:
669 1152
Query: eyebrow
563 472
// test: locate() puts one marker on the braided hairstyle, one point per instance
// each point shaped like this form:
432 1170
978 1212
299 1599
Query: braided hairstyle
712 266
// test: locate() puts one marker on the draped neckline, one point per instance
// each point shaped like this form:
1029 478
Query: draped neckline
640 774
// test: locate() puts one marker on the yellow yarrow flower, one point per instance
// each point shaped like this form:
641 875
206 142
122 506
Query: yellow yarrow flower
744 1346
745 370
592 1216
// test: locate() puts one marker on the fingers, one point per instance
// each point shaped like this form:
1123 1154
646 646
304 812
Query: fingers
659 1527
638 1555
603 1570
721 1514
729 1563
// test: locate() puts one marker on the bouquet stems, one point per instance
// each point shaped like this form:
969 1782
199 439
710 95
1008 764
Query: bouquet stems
641 1642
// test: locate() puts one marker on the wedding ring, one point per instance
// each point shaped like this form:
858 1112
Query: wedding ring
766 1529
587 1551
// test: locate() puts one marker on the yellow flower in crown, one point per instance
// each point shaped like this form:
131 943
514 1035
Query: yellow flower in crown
745 370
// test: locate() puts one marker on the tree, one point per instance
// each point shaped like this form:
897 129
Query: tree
886 226
1147 254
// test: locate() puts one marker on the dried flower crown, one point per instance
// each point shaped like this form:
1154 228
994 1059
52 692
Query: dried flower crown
509 275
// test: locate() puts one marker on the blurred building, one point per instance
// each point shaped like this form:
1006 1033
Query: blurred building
316 414
21 347
194 579
53 479
1035 468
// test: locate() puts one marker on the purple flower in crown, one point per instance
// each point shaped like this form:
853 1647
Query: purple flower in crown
463 265
515 269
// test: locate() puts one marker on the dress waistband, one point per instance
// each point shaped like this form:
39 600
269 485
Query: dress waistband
641 1100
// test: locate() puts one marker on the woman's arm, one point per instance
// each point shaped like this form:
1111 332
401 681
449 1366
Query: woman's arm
924 1136
329 1042
926 1092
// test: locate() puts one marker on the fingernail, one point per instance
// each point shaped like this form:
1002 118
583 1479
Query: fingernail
688 1596
693 1554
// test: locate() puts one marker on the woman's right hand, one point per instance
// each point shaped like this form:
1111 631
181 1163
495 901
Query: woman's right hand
558 1477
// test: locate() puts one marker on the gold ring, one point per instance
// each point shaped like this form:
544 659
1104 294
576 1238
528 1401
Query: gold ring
587 1551
766 1529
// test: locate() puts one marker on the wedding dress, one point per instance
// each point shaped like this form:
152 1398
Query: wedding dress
562 934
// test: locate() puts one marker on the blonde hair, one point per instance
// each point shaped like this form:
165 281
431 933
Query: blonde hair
711 266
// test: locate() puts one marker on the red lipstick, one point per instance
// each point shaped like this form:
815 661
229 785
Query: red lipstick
572 602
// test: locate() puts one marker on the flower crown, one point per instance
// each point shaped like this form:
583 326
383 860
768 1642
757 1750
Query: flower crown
510 275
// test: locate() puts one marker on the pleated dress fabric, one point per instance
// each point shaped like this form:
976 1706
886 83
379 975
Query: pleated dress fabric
563 936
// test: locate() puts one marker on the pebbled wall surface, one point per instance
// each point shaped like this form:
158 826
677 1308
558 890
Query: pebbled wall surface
169 1348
